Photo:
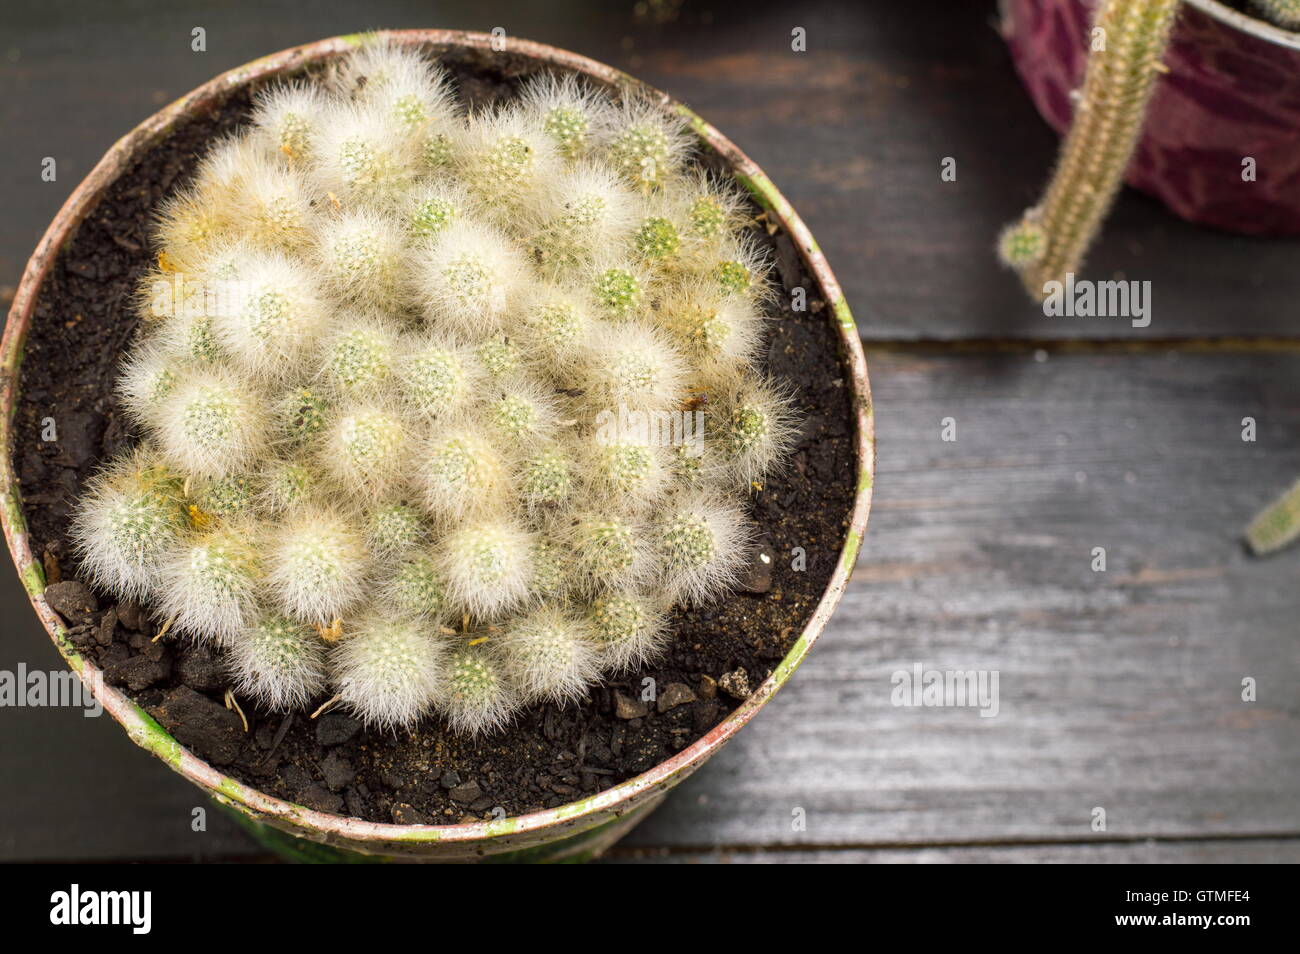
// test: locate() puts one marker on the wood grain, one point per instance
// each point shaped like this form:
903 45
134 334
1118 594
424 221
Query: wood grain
1118 690
853 131
1210 851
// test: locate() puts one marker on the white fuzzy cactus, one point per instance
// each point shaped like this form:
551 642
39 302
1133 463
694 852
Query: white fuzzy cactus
411 409
278 661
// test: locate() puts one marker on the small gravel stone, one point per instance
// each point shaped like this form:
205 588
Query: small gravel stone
756 575
735 684
708 686
404 814
705 716
138 672
72 600
104 632
674 694
208 727
129 615
625 707
450 778
199 667
466 792
317 796
338 771
334 728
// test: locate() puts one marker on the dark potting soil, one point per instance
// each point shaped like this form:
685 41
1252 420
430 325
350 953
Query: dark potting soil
549 755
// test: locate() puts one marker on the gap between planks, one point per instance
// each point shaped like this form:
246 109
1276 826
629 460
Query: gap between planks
1085 346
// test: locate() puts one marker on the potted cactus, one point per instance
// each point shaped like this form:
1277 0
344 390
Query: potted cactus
1193 102
1214 139
444 434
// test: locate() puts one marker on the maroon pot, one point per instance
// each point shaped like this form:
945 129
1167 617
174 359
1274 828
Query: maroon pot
1232 92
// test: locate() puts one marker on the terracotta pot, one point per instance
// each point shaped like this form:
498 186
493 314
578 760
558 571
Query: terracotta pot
580 829
1232 91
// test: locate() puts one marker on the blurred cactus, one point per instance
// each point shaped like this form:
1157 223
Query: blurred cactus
1121 74
1284 13
1277 525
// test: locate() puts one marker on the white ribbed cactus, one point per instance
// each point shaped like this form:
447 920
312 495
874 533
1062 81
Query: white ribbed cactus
412 389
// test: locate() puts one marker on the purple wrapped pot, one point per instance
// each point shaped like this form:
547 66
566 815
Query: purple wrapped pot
1232 91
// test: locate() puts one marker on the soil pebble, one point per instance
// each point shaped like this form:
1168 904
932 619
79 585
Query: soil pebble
466 792
404 814
756 575
201 668
735 684
107 628
198 722
338 771
674 695
74 601
139 672
335 728
708 686
625 707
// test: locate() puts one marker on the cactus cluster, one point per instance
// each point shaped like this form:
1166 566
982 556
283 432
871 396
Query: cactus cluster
439 412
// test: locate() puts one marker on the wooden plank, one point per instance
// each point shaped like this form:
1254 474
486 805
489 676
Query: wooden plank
1118 690
1214 851
853 131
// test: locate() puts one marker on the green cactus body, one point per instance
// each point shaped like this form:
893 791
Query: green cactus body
618 292
641 154
228 496
395 528
361 359
499 357
431 217
303 414
657 239
567 127
1117 86
708 219
1277 525
417 588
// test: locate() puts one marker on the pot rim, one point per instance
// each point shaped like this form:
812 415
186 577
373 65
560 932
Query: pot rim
1247 23
140 726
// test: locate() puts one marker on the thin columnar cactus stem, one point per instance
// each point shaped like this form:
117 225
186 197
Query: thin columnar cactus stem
1117 86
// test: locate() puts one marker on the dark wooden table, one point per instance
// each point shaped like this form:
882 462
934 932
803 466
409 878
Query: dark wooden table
1119 689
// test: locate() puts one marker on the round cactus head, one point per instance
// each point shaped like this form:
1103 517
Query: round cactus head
628 628
1022 244
478 697
550 655
389 672
128 521
277 661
